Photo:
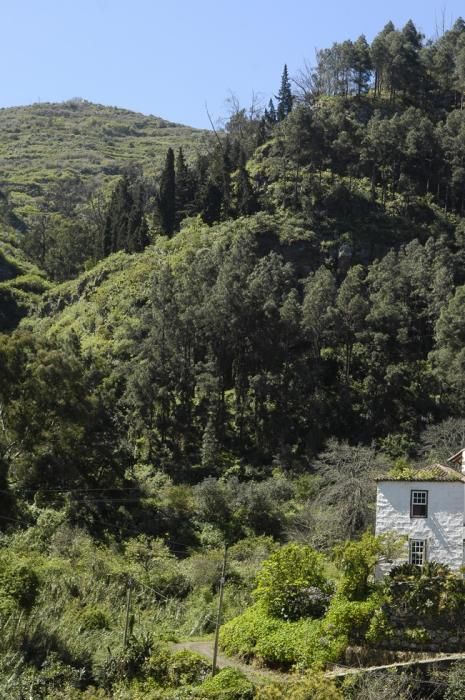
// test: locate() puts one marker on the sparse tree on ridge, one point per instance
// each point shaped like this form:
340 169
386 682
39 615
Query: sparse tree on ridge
167 195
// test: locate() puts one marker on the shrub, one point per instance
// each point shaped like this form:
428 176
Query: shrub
357 561
432 592
290 643
292 583
156 667
19 586
127 665
351 617
381 686
314 687
187 668
455 683
279 642
228 684
94 619
240 635
379 629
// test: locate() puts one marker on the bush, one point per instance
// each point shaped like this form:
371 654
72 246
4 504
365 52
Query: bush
19 586
314 687
228 684
280 643
433 593
351 617
455 683
156 667
127 665
292 583
187 668
357 560
240 635
94 619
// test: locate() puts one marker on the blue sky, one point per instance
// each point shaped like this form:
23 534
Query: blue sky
171 58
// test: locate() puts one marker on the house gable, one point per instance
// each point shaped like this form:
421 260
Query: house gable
440 526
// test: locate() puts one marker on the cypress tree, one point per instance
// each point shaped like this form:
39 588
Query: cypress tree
167 195
138 233
246 202
270 113
226 180
185 188
115 232
284 97
212 201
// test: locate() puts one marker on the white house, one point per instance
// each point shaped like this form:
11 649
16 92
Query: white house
429 510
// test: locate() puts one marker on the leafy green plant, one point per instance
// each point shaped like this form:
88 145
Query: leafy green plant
228 684
351 618
19 585
357 561
292 583
312 687
93 618
187 668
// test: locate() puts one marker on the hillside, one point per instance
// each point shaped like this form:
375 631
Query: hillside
21 282
207 360
79 144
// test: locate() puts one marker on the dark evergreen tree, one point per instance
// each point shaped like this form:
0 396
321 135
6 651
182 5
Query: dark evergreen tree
270 113
167 195
381 57
185 188
212 201
115 232
138 232
225 185
361 65
245 199
284 97
125 225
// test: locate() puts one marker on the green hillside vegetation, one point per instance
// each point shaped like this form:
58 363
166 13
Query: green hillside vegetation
21 282
212 340
55 149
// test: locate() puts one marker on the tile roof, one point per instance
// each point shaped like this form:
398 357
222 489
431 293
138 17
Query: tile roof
434 472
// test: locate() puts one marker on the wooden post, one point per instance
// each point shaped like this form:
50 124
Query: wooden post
128 610
220 611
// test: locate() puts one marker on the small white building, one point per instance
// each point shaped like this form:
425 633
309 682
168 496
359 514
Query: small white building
428 509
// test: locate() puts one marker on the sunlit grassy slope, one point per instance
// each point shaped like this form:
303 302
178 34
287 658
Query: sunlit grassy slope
42 144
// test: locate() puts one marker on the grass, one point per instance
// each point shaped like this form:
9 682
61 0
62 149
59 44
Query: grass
47 144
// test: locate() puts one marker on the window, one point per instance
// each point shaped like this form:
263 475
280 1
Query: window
417 552
418 504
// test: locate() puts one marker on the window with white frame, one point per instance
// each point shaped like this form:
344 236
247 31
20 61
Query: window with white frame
417 552
418 504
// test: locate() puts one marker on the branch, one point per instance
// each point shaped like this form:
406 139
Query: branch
213 127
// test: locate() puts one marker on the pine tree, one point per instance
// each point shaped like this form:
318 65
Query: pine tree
361 64
226 181
284 97
138 233
185 188
212 201
115 232
246 202
167 195
270 113
381 57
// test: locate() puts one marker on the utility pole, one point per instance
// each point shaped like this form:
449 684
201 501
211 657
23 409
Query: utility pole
128 610
220 611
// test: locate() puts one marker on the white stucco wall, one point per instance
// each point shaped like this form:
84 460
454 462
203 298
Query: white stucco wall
443 528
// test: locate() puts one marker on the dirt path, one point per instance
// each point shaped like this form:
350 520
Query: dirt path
259 675
256 675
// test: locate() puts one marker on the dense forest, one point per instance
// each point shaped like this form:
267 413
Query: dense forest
223 338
